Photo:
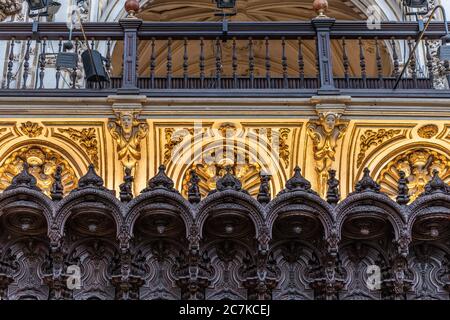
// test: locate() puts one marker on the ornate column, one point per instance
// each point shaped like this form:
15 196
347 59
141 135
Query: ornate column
130 27
323 25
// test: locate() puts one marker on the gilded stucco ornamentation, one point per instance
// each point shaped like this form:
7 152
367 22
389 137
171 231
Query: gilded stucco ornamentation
371 138
325 134
209 173
418 166
42 163
173 137
31 129
282 134
127 131
428 131
87 138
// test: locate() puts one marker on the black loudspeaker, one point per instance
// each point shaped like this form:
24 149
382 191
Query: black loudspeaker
94 69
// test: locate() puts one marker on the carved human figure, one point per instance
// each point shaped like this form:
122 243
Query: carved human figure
128 132
325 134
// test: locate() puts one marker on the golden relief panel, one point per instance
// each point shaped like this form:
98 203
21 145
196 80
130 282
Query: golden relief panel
248 174
418 165
43 163
87 138
373 138
428 131
31 129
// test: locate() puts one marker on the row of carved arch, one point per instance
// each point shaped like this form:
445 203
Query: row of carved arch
295 269
369 210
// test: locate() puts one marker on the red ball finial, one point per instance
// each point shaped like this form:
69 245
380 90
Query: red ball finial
320 6
132 7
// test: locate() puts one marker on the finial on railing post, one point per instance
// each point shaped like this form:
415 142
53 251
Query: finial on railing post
131 7
320 6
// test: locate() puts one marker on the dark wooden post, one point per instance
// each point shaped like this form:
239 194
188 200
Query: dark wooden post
323 26
130 28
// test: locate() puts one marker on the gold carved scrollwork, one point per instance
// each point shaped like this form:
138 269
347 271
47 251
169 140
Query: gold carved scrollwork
127 131
282 134
209 173
31 129
88 141
371 138
173 137
42 162
418 165
325 134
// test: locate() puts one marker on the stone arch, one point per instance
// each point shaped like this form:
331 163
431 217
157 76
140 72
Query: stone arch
261 155
43 157
380 165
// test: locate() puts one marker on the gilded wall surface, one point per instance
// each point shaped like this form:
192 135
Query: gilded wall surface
142 134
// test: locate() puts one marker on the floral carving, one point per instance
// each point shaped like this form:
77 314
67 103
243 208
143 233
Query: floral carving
31 129
371 138
88 141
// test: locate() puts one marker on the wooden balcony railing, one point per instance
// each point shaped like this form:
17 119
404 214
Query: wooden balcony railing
321 56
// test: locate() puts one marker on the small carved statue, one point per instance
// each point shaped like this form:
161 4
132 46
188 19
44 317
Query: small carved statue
128 132
325 134
126 192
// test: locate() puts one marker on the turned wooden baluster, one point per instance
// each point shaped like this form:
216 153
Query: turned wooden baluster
169 64
202 63
301 63
218 64
26 63
413 63
234 65
58 69
268 64
379 64
42 61
108 64
395 57
284 62
152 64
346 63
362 62
74 70
9 74
185 64
429 63
251 63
